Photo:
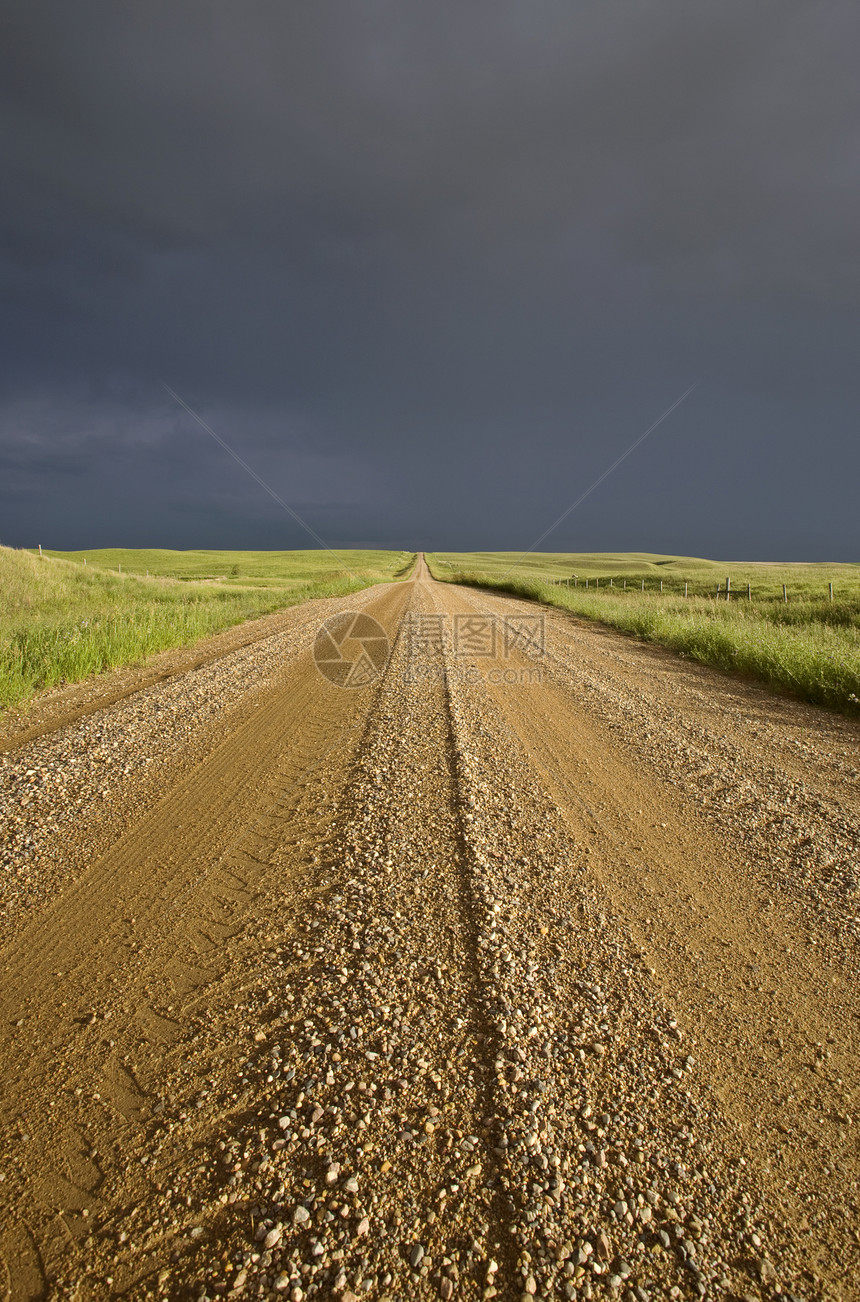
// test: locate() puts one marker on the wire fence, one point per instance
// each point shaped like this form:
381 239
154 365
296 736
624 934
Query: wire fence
722 592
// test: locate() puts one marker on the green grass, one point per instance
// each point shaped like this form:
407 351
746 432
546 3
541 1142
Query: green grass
808 645
62 620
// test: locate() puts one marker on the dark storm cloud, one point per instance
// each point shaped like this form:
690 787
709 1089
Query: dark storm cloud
430 268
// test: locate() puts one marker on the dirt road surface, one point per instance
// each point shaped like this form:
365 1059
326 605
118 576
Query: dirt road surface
526 969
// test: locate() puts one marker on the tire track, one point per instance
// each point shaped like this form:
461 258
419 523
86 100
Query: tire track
359 956
74 1041
67 797
398 1040
59 710
753 946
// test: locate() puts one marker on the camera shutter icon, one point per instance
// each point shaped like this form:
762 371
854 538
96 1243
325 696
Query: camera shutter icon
351 649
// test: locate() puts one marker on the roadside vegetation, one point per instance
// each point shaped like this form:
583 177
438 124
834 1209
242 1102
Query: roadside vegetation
62 620
787 632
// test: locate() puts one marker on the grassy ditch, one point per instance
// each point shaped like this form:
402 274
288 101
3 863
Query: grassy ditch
62 620
799 641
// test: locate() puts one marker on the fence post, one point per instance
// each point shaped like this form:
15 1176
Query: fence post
831 591
661 585
624 581
728 587
610 583
685 589
749 592
597 583
643 585
40 549
586 582
784 593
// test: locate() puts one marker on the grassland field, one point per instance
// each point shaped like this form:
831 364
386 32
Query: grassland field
67 615
806 644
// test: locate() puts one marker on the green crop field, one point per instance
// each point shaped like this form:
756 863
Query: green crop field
784 629
240 569
66 615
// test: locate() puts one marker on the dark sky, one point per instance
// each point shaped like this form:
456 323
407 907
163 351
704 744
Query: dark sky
429 268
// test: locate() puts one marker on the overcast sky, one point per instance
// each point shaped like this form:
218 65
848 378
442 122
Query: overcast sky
429 269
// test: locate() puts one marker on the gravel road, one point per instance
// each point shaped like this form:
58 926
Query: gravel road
527 970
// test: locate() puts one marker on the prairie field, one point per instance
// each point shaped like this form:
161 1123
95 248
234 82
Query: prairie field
449 968
783 629
66 615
